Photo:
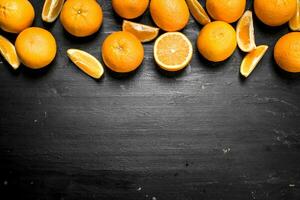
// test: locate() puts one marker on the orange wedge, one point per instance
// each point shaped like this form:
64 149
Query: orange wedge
245 32
51 10
86 62
198 12
294 23
8 51
173 51
251 60
143 32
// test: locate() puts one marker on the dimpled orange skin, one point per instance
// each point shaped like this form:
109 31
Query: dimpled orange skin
170 15
36 47
275 12
130 9
15 15
217 41
287 52
226 10
81 18
122 52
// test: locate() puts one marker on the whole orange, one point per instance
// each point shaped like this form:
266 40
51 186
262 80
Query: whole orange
217 41
81 17
36 47
122 52
287 52
15 15
226 10
170 15
130 9
275 12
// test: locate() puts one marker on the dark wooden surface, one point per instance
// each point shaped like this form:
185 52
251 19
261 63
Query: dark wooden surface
203 133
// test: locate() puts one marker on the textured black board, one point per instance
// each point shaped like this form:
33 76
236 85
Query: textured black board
203 133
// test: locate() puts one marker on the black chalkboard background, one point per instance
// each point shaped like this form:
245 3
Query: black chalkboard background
202 133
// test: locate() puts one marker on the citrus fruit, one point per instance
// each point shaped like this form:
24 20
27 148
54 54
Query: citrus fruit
8 51
173 51
251 60
226 10
143 32
287 52
122 52
15 15
217 41
81 18
275 12
86 62
36 47
51 10
130 9
294 23
169 15
198 11
245 32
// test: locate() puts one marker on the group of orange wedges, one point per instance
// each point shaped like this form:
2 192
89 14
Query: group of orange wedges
123 51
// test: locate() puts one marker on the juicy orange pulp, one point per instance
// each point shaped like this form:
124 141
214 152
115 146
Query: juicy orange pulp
251 60
51 10
143 32
86 62
245 32
173 51
198 12
8 51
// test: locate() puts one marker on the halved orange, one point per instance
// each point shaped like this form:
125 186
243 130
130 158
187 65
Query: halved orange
294 23
8 51
143 32
173 51
86 62
51 10
251 60
245 32
198 12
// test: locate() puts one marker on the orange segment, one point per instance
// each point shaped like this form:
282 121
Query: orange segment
51 10
294 23
8 51
198 12
173 51
245 32
251 60
86 62
143 32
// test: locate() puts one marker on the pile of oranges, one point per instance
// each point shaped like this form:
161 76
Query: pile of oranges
123 51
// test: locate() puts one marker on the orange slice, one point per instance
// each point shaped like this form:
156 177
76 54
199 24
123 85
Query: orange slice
86 62
143 32
173 51
245 32
198 12
251 60
51 10
8 51
294 23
